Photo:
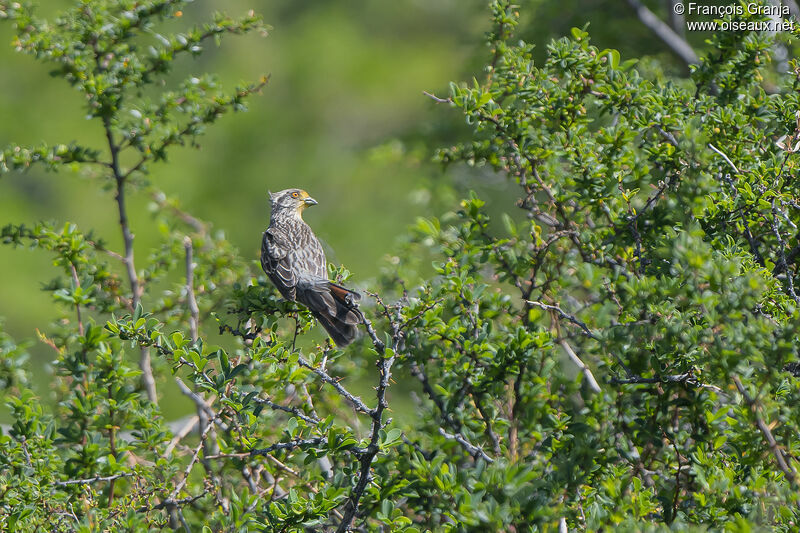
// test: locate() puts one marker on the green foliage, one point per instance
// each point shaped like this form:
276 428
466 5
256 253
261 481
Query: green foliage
611 353
637 373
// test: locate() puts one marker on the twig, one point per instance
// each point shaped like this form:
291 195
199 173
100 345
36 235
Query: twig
565 315
313 419
324 376
437 99
191 464
292 444
171 502
487 422
473 450
453 423
748 234
96 479
205 414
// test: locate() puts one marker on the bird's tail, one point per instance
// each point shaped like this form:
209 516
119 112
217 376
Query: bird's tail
336 309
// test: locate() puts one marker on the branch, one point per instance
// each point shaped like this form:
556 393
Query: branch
171 502
194 311
725 157
358 404
219 106
565 315
385 373
191 464
785 467
127 237
675 42
292 410
748 234
291 445
437 99
587 372
473 450
96 479
487 422
454 424
782 253
181 433
686 378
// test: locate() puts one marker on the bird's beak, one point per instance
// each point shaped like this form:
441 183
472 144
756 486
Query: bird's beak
310 201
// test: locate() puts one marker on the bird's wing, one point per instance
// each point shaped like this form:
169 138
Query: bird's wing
276 260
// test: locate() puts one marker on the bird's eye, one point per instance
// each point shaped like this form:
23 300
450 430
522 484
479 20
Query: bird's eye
295 195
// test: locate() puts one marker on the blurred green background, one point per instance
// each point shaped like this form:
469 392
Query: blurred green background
344 117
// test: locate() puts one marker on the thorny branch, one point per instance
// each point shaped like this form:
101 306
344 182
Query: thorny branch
384 363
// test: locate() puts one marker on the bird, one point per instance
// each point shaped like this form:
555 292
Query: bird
292 258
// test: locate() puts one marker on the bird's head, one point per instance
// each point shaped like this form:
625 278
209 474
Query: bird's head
290 201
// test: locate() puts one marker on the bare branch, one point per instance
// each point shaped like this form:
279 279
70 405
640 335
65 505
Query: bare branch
127 236
89 481
777 451
564 315
686 378
291 410
291 445
587 372
179 487
473 450
194 311
437 99
783 261
725 157
181 434
384 364
748 234
451 422
358 404
171 502
675 42
487 423
676 19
